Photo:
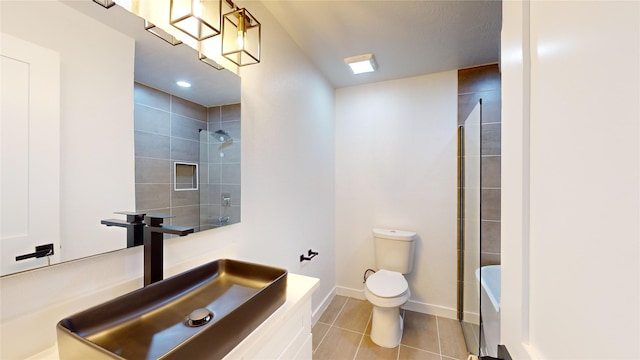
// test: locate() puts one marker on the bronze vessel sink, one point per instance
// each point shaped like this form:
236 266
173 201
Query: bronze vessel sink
202 313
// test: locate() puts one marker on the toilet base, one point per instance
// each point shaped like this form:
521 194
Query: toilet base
386 326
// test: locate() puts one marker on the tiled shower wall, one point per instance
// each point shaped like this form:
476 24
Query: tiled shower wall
169 129
483 82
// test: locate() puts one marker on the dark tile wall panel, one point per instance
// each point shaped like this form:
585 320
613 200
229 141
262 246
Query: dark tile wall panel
483 82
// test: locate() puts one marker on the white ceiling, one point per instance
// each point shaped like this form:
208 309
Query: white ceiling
408 38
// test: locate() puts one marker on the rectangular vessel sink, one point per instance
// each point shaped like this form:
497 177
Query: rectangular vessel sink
169 319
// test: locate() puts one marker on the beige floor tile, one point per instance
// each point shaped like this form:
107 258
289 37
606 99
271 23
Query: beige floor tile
317 333
369 350
451 339
339 344
421 331
330 315
355 315
408 353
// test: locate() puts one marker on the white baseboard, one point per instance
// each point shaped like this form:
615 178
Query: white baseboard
472 317
352 293
317 313
411 305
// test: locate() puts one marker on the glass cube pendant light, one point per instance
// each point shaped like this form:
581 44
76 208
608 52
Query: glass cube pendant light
241 38
199 19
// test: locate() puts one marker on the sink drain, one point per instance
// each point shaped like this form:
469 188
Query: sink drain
199 317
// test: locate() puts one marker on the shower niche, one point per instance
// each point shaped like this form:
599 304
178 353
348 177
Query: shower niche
185 176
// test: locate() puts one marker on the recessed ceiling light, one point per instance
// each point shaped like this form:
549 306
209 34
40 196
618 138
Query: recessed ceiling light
183 84
362 63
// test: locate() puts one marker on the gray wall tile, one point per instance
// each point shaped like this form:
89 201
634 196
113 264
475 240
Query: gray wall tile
186 216
153 170
231 153
230 112
233 128
491 171
186 128
152 196
145 95
187 108
168 131
490 231
151 120
185 150
490 204
491 138
185 198
151 145
231 174
213 117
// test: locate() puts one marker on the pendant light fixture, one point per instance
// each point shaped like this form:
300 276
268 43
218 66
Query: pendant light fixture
199 19
161 33
202 57
202 20
105 3
241 37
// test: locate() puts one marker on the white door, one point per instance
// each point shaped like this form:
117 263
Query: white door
29 152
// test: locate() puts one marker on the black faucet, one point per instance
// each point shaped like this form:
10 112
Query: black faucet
149 233
134 225
153 245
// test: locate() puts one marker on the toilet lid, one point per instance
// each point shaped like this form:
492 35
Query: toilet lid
385 283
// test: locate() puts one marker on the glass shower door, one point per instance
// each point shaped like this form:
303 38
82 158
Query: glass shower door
470 175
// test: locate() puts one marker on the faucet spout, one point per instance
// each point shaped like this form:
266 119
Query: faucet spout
134 225
153 245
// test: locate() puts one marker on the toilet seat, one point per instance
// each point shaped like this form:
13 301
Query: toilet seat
387 284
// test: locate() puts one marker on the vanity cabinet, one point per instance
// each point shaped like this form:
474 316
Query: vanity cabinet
286 334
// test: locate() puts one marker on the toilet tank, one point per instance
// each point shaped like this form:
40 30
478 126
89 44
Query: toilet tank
394 249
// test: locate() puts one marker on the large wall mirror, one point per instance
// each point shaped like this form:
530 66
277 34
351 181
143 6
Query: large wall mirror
93 123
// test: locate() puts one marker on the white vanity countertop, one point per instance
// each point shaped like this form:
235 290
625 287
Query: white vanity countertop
299 289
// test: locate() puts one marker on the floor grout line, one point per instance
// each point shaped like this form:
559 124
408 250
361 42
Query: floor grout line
362 334
330 326
438 332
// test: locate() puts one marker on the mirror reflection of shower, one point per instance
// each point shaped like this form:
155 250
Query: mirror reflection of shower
225 141
220 161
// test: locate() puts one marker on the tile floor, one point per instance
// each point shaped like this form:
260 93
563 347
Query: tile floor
343 332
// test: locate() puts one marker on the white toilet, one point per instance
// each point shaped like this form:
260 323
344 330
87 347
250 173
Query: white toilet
387 289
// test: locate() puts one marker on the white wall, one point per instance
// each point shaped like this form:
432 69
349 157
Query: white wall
287 158
287 204
571 189
396 148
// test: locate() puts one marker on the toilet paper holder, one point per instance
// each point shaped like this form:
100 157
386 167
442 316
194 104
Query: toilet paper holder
310 255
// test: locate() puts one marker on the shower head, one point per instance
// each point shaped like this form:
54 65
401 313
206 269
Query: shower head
223 136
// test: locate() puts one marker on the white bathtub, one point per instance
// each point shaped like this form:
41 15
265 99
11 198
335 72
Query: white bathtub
489 277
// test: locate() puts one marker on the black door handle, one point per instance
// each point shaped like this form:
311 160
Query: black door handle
41 251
